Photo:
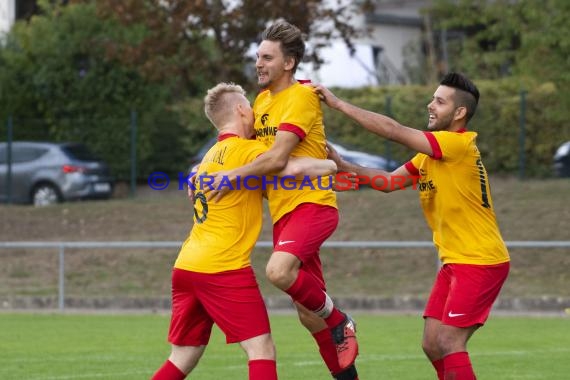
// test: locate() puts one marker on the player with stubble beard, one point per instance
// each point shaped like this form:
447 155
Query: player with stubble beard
456 200
289 121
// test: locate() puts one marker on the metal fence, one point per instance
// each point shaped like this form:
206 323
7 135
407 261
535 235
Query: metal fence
62 246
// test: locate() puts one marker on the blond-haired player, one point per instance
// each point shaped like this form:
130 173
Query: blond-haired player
212 279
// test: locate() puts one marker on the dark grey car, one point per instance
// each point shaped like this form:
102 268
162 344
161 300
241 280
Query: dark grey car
45 173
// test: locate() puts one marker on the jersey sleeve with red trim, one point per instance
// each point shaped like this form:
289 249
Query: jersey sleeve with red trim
300 112
414 164
456 200
449 146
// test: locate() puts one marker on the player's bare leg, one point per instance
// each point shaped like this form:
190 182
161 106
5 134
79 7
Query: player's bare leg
182 360
260 352
446 348
284 271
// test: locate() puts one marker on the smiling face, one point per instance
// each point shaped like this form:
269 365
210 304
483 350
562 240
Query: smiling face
273 68
442 109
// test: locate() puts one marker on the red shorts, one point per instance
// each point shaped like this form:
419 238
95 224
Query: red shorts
463 294
231 300
302 231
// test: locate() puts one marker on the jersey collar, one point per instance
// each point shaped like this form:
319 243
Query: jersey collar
223 136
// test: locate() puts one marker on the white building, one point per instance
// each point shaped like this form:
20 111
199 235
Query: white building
394 28
7 15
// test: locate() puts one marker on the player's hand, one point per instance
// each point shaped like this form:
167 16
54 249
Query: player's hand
191 195
326 95
332 154
214 188
191 184
345 181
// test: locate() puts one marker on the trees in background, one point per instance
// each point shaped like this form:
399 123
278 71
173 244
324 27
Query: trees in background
526 42
490 39
58 83
202 42
75 71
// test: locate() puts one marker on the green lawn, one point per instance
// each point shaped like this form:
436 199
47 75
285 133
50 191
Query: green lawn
73 346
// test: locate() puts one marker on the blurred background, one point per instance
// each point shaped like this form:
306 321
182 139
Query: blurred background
123 82
127 78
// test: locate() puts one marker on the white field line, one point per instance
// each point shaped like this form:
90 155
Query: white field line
307 363
111 375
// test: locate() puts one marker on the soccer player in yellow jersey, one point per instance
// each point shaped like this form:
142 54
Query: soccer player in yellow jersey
289 121
212 279
456 200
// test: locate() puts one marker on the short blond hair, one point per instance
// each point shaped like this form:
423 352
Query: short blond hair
219 100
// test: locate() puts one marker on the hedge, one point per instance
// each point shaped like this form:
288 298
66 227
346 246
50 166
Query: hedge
497 122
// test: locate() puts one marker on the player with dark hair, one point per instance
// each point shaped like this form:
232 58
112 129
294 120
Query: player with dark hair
289 121
456 200
212 279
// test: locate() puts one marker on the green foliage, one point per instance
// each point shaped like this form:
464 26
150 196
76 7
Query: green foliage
59 84
497 121
133 347
503 37
202 42
76 72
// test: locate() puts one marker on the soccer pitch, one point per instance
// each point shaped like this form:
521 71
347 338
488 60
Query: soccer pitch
129 346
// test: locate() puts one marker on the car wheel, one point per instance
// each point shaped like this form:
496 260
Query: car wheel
45 194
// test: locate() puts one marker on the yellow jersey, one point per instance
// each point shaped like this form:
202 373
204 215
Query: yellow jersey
296 109
456 200
224 233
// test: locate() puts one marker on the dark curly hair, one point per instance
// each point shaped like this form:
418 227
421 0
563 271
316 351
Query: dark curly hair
466 94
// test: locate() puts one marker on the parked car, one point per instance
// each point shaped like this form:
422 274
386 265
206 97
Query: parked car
357 157
367 160
562 160
45 173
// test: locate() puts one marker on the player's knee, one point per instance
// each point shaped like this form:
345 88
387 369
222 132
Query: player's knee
279 276
267 350
448 343
261 347
431 348
186 358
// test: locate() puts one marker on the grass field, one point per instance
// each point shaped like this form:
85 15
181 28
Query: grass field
526 210
128 346
123 347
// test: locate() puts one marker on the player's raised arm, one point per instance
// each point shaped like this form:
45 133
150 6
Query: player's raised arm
379 124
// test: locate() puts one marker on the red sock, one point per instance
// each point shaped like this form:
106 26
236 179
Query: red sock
327 350
262 369
335 318
438 365
169 371
457 366
306 291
